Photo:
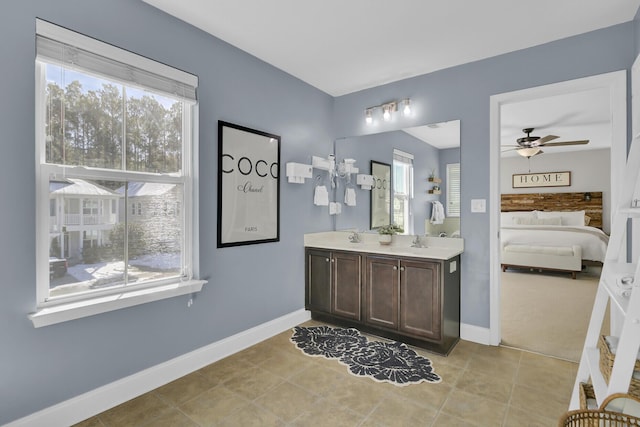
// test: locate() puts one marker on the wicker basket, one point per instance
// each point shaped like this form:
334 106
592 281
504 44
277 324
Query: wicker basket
606 365
582 418
586 392
600 417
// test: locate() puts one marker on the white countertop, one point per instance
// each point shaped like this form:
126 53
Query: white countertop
441 248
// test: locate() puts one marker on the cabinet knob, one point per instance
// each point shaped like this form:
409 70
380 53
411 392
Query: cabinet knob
326 259
401 268
333 260
395 267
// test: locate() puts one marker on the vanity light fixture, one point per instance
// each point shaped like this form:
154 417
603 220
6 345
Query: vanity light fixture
388 108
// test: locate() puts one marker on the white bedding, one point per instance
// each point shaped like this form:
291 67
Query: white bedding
592 240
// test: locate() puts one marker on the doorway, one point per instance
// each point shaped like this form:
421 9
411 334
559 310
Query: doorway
615 83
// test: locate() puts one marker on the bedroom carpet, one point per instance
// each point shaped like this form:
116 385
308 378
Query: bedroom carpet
548 313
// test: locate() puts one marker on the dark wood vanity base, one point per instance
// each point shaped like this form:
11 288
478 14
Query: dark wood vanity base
408 299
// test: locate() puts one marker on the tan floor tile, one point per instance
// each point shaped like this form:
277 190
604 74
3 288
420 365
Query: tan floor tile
325 414
519 417
253 382
504 369
446 420
287 401
318 379
497 353
135 412
556 380
224 370
251 416
185 388
550 363
286 364
426 394
539 400
173 418
395 411
212 406
474 409
485 385
358 395
450 374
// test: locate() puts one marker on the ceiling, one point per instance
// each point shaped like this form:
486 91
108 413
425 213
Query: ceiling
344 46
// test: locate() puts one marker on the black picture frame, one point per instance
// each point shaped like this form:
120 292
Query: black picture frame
248 186
380 207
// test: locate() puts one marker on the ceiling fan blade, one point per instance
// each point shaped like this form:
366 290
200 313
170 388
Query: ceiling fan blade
557 144
545 139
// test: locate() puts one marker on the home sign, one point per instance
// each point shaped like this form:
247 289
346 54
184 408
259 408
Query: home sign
544 179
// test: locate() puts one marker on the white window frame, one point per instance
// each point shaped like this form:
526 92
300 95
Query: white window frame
77 306
453 203
406 159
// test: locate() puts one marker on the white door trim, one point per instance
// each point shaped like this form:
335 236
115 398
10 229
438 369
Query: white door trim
616 82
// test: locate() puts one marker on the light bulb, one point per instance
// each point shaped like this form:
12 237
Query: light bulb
407 107
386 115
368 117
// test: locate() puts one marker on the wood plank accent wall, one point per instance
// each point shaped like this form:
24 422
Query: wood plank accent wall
556 202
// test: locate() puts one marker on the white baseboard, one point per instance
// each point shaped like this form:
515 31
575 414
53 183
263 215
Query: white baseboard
96 401
475 334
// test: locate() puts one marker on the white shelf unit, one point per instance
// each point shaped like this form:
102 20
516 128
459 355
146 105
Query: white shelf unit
615 267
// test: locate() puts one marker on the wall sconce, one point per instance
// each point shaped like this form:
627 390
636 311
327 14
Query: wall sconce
388 108
587 197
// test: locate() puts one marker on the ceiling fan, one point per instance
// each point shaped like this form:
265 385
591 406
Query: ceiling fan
529 146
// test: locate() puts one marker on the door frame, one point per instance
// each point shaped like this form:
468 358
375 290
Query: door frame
616 82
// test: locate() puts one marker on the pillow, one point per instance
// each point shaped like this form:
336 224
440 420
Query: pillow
554 220
587 220
568 218
508 218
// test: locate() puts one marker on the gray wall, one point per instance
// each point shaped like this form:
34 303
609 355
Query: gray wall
247 286
590 171
463 93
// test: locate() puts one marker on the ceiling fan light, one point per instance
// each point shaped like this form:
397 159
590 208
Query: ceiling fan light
528 152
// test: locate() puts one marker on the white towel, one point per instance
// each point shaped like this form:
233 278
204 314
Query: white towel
335 208
321 196
437 213
350 197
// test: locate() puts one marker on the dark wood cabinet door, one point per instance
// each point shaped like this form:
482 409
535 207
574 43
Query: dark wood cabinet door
381 295
346 284
420 299
318 278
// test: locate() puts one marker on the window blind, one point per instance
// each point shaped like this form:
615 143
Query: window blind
453 189
72 50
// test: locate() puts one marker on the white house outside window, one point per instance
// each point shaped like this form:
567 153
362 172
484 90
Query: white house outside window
114 137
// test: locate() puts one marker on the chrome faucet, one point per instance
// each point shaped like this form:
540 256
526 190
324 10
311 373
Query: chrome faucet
354 237
417 242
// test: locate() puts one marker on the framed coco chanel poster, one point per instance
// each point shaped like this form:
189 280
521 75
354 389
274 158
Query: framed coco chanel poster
248 186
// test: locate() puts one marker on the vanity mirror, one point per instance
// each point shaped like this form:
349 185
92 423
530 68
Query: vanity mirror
413 155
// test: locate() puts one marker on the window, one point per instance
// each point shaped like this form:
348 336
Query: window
403 190
453 189
111 127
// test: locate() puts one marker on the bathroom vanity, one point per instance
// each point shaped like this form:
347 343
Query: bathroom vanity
409 294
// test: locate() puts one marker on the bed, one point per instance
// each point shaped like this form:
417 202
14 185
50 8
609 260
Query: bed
561 231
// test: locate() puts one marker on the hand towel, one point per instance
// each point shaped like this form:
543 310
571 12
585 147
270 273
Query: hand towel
437 213
321 196
350 197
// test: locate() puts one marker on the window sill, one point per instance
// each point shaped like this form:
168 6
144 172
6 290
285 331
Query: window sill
76 310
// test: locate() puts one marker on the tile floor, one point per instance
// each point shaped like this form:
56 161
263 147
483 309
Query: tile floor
275 384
